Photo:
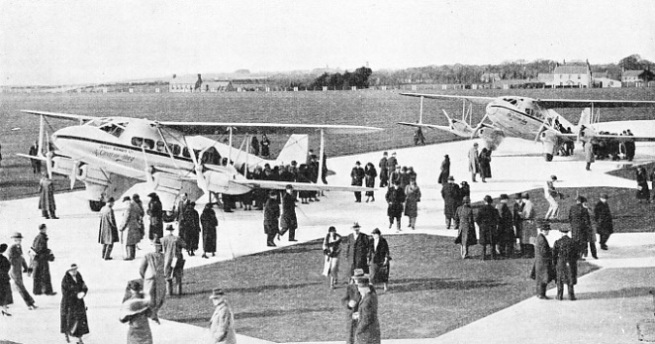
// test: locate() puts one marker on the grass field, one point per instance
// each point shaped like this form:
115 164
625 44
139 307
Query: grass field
374 108
280 295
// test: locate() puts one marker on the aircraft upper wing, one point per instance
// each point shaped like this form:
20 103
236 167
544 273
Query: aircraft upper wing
60 115
214 128
477 100
584 103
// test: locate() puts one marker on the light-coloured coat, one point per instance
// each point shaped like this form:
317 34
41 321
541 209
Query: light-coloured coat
474 163
221 326
108 232
46 195
132 221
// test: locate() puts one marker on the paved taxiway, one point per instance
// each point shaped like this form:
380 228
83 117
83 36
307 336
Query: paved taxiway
517 166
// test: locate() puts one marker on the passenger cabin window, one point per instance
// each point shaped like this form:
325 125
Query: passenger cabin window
160 146
137 142
185 152
175 149
150 144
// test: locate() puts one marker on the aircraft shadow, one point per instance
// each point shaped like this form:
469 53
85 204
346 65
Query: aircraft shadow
257 289
614 294
419 284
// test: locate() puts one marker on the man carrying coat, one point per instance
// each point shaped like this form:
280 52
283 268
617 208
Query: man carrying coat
542 270
108 232
603 219
18 266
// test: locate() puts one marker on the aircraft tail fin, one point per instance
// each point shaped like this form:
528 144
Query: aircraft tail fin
585 117
296 149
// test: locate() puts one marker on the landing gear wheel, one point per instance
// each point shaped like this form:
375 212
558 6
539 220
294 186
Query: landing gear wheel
549 157
96 205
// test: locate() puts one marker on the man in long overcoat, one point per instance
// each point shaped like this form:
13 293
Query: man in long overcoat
474 162
271 218
108 232
41 262
603 219
565 259
351 301
154 279
505 227
209 223
357 245
451 196
384 172
172 246
395 198
465 223
132 222
73 318
18 266
221 324
542 270
580 224
288 221
368 324
47 197
357 179
156 217
487 220
392 164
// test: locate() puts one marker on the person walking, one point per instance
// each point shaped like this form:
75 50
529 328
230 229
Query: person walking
370 174
73 318
552 195
517 219
331 250
484 159
542 269
412 198
209 223
451 198
505 228
465 224
487 220
591 234
221 324
580 222
368 325
18 266
603 219
47 197
173 260
41 261
135 311
395 198
445 170
154 280
356 179
384 172
271 218
565 258
379 259
190 228
156 214
288 220
6 297
108 233
392 165
357 246
418 137
132 222
643 193
36 163
474 163
351 301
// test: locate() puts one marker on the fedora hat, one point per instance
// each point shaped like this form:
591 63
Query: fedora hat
363 281
16 235
488 199
356 225
132 307
217 293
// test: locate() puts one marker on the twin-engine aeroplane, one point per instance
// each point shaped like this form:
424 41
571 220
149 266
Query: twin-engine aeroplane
111 154
531 119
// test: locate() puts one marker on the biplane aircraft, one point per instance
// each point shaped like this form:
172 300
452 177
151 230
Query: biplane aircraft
111 154
530 119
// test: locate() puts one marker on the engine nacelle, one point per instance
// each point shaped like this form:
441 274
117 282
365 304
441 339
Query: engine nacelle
460 128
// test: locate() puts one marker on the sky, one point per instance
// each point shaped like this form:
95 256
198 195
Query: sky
78 42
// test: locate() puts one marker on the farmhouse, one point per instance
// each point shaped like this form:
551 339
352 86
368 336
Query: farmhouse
637 78
572 76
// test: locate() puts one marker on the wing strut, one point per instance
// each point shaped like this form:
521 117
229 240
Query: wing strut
420 112
322 151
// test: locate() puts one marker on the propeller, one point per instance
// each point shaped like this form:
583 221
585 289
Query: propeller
479 126
73 175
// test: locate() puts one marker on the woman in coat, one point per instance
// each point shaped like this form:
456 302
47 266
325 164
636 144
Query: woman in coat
156 217
485 164
332 249
445 170
73 310
378 257
135 311
191 225
367 330
412 197
464 222
395 198
6 297
209 223
643 193
370 173
505 227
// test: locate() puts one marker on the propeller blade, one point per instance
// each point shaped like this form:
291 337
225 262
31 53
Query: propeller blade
73 175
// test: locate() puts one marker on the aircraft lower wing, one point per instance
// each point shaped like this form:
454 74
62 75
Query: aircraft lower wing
422 125
269 184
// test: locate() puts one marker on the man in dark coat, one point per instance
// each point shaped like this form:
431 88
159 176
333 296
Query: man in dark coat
542 270
565 259
392 163
271 218
450 193
505 227
357 246
603 219
357 179
580 225
73 318
445 170
517 219
156 217
190 227
351 301
368 324
209 223
108 233
36 163
384 173
288 220
465 224
395 198
487 220
42 258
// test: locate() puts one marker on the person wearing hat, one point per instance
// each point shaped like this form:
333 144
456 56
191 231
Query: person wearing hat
73 318
18 266
6 298
484 159
505 228
189 228
528 227
565 258
288 220
357 179
395 198
384 172
370 174
394 176
445 170
154 280
209 223
392 165
332 249
551 194
173 260
465 224
474 162
451 197
132 222
357 246
412 198
487 220
379 259
542 269
108 230
580 222
135 311
368 326
42 258
603 219
271 218
351 302
47 197
221 324
156 215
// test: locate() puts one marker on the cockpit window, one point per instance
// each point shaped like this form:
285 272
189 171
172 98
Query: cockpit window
112 129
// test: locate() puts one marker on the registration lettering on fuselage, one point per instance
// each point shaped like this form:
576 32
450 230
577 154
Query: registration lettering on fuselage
114 153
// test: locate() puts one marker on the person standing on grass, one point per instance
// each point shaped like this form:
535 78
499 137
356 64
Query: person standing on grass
565 258
542 270
357 246
265 143
332 249
465 224
271 218
368 325
603 219
108 233
36 163
154 280
173 260
73 310
47 197
643 193
580 222
351 301
487 220
356 179
445 170
412 197
288 220
505 227
528 227
6 298
370 175
379 258
384 172
474 163
135 311
18 266
42 258
221 324
395 198
209 223
517 219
